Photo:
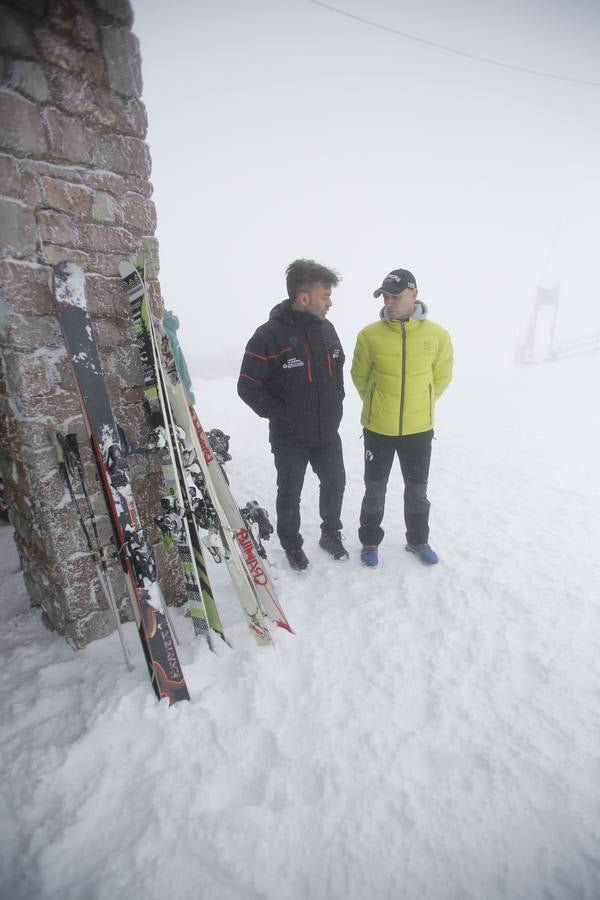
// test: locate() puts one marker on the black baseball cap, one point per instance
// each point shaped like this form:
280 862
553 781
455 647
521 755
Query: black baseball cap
395 282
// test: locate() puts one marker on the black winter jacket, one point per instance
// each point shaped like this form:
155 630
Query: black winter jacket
292 375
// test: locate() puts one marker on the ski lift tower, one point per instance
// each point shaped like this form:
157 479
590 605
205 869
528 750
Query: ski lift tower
537 344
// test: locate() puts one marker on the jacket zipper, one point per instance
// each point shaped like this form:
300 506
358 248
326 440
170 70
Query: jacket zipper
373 386
403 375
430 408
308 364
329 364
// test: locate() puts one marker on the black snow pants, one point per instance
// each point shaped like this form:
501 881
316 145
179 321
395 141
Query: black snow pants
327 462
414 453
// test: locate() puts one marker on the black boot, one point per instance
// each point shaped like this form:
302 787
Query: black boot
332 543
297 559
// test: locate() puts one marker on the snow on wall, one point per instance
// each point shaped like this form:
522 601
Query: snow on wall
74 184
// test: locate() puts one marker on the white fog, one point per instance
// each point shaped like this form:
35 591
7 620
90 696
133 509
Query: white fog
280 130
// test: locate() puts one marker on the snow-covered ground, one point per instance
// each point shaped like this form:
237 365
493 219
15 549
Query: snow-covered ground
425 733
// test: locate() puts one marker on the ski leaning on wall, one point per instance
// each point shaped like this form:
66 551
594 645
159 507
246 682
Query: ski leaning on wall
254 588
177 523
134 552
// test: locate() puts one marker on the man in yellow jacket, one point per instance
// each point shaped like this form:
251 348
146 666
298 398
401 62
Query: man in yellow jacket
402 365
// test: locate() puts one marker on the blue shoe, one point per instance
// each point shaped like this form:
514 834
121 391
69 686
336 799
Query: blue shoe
368 557
427 556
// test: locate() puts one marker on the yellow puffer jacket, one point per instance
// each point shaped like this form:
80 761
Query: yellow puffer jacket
400 369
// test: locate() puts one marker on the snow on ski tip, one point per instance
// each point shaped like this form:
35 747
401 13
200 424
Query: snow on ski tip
69 284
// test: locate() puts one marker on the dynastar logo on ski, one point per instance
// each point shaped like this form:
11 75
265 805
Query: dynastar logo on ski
256 570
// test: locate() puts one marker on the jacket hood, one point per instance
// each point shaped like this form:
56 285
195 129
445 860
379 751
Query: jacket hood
280 310
420 312
283 312
170 320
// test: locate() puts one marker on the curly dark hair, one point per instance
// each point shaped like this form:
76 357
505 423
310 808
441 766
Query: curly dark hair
303 274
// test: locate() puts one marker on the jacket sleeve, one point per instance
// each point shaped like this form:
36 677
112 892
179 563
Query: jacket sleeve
253 382
361 365
442 366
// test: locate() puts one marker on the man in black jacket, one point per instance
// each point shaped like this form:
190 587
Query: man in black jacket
292 375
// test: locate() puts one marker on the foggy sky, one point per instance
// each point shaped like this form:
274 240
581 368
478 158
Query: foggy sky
281 129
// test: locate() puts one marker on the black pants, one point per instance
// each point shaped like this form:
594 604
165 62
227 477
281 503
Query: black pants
291 461
414 453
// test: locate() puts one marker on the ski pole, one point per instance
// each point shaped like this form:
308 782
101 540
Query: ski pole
69 461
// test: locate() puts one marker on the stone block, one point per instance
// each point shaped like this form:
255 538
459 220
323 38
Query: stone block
26 286
99 104
106 239
31 192
91 627
22 125
170 578
60 52
123 61
117 9
39 167
17 230
75 21
138 186
37 8
106 297
65 196
9 177
106 263
69 138
63 405
111 333
56 228
52 254
151 257
139 213
28 78
28 333
14 35
105 208
35 374
124 155
123 367
103 180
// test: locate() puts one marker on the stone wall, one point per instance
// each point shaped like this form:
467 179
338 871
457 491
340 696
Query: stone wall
74 184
